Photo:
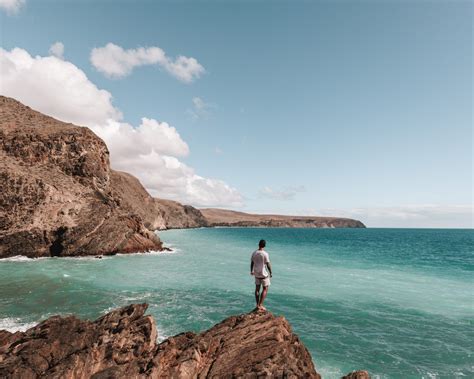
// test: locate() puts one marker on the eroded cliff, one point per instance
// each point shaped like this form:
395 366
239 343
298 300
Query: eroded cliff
56 196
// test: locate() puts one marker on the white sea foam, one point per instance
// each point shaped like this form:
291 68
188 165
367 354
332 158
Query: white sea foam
20 258
153 253
162 337
138 297
13 324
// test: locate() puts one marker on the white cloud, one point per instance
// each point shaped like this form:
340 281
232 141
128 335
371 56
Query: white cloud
167 177
287 193
55 87
11 6
200 109
57 49
149 151
409 216
115 62
151 135
218 151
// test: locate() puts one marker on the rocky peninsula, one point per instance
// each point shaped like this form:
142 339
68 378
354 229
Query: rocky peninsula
122 344
60 196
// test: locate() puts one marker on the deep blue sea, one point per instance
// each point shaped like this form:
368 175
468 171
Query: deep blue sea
397 302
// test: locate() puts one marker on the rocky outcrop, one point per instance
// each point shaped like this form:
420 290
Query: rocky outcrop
122 344
360 374
249 345
56 197
179 216
136 199
223 217
157 214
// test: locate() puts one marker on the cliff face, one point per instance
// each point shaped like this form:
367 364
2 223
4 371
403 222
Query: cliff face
122 344
56 197
178 216
223 217
157 214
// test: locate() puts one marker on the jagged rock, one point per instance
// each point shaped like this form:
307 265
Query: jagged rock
66 347
122 344
357 375
250 345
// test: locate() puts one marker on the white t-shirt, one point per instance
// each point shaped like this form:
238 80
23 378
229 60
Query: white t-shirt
260 259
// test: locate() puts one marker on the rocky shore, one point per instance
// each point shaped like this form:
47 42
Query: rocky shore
61 198
122 344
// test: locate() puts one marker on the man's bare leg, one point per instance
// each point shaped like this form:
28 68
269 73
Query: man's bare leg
262 298
257 294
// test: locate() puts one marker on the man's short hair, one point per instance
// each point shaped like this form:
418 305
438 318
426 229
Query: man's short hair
262 243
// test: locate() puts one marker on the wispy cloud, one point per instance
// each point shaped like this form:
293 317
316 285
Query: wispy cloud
11 6
285 194
57 49
116 62
201 109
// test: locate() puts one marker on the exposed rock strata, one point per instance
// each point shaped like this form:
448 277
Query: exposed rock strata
157 214
122 344
56 197
223 217
178 216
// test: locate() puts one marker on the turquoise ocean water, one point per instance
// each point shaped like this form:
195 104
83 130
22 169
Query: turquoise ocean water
397 302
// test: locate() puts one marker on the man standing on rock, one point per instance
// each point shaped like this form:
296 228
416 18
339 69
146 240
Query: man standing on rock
261 268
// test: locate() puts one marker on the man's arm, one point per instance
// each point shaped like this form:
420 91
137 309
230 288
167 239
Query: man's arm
251 267
269 266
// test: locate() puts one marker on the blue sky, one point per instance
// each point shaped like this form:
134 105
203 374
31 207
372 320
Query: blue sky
360 109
